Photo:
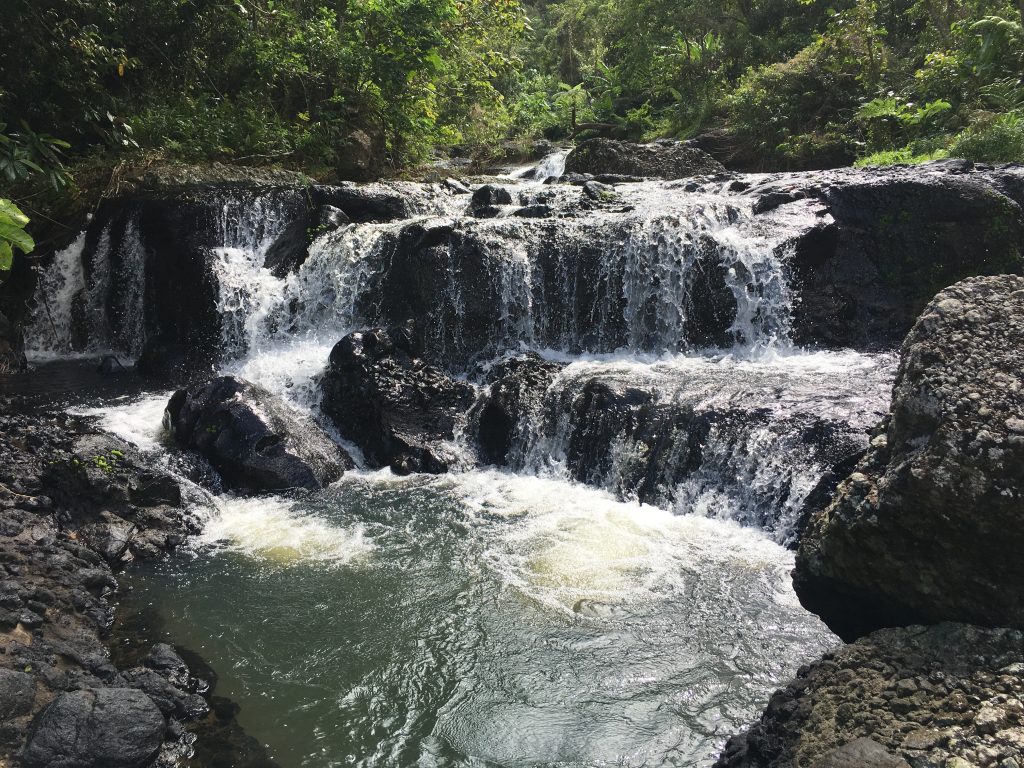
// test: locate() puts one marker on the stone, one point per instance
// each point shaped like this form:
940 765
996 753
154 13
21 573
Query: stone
95 728
660 161
253 441
928 528
385 398
513 399
861 753
487 200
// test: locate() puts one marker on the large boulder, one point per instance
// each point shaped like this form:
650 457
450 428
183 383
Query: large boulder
928 528
947 695
383 397
95 728
671 160
885 241
255 442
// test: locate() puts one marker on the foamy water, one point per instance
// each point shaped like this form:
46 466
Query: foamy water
274 530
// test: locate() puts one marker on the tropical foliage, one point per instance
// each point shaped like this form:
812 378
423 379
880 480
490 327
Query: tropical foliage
357 87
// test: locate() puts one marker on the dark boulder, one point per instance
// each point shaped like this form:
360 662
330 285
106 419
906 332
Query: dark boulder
928 527
513 400
885 241
659 161
382 396
487 201
95 728
255 442
291 248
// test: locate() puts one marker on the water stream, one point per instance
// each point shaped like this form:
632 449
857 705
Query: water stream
534 615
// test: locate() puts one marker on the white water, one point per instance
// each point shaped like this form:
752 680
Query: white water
631 318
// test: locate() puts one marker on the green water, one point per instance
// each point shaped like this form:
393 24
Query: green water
482 619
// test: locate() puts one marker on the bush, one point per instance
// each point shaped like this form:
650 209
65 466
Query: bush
783 112
904 156
992 138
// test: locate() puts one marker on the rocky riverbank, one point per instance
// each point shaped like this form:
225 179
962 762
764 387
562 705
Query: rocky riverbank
76 506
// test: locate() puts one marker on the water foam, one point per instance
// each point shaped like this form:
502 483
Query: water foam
273 530
581 550
139 421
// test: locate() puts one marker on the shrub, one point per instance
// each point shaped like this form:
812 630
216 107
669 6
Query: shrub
992 138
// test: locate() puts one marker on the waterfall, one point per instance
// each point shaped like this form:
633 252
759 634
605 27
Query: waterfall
739 439
671 306
59 297
92 301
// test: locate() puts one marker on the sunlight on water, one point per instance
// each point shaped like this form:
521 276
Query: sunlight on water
482 618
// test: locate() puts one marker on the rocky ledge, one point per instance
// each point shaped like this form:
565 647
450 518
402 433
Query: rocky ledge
76 505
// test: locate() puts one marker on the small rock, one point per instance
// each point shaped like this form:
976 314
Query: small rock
861 753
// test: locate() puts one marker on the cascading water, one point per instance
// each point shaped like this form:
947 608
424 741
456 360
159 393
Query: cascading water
512 617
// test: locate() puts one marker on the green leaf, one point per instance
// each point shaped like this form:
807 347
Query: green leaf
6 257
11 211
15 235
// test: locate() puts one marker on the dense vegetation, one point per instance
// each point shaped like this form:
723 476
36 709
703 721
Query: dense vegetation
351 88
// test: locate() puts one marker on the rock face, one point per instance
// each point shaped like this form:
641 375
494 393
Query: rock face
657 161
889 240
946 695
254 442
96 728
382 396
928 528
15 291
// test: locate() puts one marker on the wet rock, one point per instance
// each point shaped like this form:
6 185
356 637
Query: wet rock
847 709
110 366
513 401
333 218
291 248
382 396
927 528
254 442
487 201
660 161
599 192
171 700
165 660
539 211
457 187
95 728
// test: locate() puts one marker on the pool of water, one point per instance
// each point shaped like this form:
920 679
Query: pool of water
482 618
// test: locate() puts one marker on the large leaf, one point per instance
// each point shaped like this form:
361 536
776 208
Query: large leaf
13 212
15 235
